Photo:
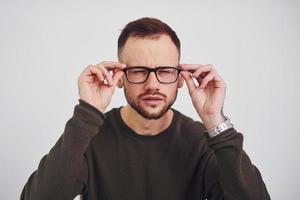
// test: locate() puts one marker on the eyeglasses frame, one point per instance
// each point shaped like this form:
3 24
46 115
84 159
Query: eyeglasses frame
152 70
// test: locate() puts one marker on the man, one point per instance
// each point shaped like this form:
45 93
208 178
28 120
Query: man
146 149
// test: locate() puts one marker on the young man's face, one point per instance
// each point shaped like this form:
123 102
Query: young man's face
150 99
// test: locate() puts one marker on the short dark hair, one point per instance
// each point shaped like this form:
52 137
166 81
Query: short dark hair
146 27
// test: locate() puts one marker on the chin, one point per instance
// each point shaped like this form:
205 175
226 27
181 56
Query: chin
152 116
151 112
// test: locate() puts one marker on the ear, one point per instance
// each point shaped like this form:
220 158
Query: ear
120 83
180 81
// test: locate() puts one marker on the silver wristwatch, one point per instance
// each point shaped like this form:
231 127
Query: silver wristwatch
219 129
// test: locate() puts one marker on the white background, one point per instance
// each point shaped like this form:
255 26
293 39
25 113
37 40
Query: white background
254 45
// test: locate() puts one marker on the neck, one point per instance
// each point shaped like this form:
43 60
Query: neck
145 126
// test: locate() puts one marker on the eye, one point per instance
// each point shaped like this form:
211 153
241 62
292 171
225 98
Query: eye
166 70
137 70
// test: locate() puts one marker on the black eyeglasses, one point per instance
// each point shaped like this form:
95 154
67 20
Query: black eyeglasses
140 74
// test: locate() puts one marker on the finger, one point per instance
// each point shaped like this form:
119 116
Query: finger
92 70
199 80
208 78
189 81
199 71
117 76
90 79
110 65
107 75
190 67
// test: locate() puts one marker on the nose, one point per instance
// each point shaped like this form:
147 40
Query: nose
152 82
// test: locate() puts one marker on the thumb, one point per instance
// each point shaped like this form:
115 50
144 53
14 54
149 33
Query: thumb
116 77
189 81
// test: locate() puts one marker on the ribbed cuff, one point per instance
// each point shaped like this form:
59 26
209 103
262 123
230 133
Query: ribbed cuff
225 138
88 113
90 107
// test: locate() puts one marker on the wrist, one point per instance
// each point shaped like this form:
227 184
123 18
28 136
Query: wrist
220 128
83 101
211 121
92 103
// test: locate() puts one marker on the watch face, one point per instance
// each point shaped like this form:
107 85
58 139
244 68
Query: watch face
222 127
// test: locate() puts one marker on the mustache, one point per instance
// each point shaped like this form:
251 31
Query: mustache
154 92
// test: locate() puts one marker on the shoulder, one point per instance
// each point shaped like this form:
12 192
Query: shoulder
191 133
187 123
189 128
111 113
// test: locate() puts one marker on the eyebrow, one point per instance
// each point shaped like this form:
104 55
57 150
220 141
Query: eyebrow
177 66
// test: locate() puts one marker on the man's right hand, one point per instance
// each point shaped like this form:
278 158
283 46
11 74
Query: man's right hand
96 85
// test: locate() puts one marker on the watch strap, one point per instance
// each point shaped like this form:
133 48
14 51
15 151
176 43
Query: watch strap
219 129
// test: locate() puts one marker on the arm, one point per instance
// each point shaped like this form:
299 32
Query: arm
62 173
239 179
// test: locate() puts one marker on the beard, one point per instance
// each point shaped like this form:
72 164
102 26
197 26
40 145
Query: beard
139 108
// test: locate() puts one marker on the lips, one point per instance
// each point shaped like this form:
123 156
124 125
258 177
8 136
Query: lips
152 100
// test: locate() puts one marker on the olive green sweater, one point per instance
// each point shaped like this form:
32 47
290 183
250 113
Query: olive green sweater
100 157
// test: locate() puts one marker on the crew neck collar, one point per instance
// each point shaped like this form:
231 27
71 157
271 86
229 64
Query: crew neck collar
130 132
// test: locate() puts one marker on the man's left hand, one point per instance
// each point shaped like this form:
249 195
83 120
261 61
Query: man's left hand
208 95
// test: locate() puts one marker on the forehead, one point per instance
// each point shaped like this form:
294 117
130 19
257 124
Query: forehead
160 51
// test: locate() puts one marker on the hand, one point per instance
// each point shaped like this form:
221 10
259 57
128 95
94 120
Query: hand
208 95
96 85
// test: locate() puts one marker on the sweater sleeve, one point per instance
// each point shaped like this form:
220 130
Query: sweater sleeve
62 173
237 178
